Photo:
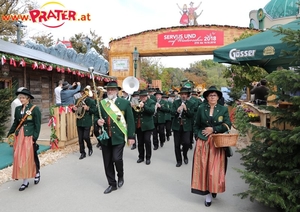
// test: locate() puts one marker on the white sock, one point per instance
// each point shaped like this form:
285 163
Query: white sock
208 197
37 174
25 181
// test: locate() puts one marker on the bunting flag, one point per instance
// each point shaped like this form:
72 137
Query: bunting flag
3 59
42 66
69 70
12 62
49 68
22 63
34 65
61 110
62 70
52 121
58 69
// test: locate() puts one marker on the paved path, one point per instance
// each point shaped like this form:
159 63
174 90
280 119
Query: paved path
75 185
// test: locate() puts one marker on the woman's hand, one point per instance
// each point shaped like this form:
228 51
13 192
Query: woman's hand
207 131
131 141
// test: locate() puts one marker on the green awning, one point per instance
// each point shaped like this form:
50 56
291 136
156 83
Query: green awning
263 49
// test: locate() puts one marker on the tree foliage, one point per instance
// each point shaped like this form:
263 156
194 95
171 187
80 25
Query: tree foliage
5 96
272 161
44 39
8 29
80 46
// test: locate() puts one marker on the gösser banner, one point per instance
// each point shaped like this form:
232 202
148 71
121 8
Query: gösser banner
191 38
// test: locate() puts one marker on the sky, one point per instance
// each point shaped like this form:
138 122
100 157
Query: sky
119 18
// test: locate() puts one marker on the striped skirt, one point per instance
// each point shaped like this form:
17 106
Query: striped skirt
208 172
23 163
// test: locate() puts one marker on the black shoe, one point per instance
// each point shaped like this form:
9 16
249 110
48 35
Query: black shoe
191 146
139 160
120 182
207 204
82 156
37 178
168 138
178 164
98 145
148 162
214 195
133 147
155 148
186 160
162 144
90 152
23 187
110 189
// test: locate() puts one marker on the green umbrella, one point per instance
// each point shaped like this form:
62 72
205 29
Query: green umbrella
263 49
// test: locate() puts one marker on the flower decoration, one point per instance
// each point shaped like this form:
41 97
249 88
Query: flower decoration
28 112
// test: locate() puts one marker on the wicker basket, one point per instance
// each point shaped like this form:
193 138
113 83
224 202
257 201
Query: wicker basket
226 139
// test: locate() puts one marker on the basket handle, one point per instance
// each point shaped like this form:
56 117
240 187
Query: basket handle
228 129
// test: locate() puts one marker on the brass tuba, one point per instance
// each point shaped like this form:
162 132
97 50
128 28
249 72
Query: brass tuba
136 105
80 102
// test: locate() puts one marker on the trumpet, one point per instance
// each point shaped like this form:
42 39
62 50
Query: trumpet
136 105
156 105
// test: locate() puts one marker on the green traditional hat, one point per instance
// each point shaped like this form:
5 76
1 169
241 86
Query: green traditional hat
24 91
136 93
212 89
143 93
185 90
112 84
158 92
164 95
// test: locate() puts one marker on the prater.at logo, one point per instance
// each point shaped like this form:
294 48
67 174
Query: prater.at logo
234 54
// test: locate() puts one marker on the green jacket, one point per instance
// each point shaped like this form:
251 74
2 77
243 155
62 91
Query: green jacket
32 124
87 119
146 115
117 135
219 117
168 116
186 116
159 117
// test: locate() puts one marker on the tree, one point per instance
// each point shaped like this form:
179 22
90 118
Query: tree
8 29
150 69
79 45
272 161
5 96
44 39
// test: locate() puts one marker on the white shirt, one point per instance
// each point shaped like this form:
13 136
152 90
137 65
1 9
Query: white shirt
13 106
57 91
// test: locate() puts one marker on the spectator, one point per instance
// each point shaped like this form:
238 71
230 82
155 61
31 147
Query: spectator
57 91
67 94
260 93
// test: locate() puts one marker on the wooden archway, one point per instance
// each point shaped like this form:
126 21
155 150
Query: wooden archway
173 41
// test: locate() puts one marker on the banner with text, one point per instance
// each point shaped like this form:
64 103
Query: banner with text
191 38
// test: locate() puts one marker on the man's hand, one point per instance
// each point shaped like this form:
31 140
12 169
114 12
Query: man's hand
131 141
100 122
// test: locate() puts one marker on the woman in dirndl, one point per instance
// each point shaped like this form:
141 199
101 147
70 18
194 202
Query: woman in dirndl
209 162
26 163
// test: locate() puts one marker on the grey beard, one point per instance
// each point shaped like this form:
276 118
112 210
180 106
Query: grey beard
111 97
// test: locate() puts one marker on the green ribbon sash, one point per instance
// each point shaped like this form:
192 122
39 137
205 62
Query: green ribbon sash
116 115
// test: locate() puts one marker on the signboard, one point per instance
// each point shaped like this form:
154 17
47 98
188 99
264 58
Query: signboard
120 64
194 38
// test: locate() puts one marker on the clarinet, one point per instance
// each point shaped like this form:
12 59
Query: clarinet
180 114
156 107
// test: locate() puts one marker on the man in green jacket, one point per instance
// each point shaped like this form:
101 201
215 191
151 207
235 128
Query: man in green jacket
117 119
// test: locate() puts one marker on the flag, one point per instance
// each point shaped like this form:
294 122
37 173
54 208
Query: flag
22 63
12 62
3 59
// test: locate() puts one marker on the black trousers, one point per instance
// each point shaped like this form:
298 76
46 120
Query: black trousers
113 158
159 130
181 138
168 128
36 157
144 142
84 135
96 132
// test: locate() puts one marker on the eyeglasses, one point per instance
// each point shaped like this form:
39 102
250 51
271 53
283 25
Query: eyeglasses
214 95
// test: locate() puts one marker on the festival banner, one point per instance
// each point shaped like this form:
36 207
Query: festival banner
192 38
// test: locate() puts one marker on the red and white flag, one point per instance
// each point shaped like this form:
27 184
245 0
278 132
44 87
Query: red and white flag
34 65
42 66
3 59
12 62
49 68
22 63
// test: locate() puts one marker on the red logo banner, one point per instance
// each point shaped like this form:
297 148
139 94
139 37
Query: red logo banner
191 38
